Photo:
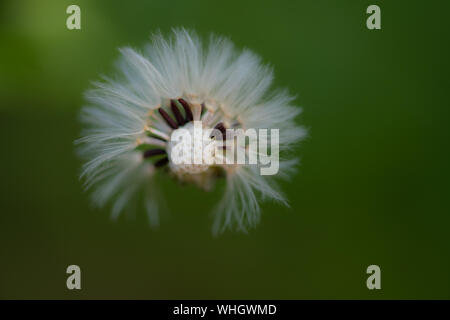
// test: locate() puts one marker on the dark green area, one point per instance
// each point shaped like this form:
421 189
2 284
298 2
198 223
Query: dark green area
373 187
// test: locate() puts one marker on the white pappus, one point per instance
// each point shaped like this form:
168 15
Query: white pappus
175 82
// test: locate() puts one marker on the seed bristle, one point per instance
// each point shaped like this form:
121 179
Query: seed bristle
153 152
161 162
221 127
187 109
168 119
177 113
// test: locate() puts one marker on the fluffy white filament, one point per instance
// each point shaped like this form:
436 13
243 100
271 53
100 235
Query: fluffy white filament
233 85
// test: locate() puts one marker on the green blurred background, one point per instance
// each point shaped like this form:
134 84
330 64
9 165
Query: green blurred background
373 187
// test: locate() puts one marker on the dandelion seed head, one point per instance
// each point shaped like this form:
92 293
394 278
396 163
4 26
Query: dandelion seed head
135 125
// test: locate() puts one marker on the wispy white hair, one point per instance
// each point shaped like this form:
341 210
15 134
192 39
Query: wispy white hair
234 85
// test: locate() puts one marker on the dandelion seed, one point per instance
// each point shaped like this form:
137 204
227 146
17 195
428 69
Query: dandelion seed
130 126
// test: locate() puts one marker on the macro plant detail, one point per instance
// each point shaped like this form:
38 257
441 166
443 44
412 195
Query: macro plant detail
136 125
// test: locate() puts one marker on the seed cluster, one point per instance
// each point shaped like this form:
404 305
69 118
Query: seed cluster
188 151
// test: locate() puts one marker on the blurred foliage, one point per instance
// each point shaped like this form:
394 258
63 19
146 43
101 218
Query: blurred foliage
372 188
